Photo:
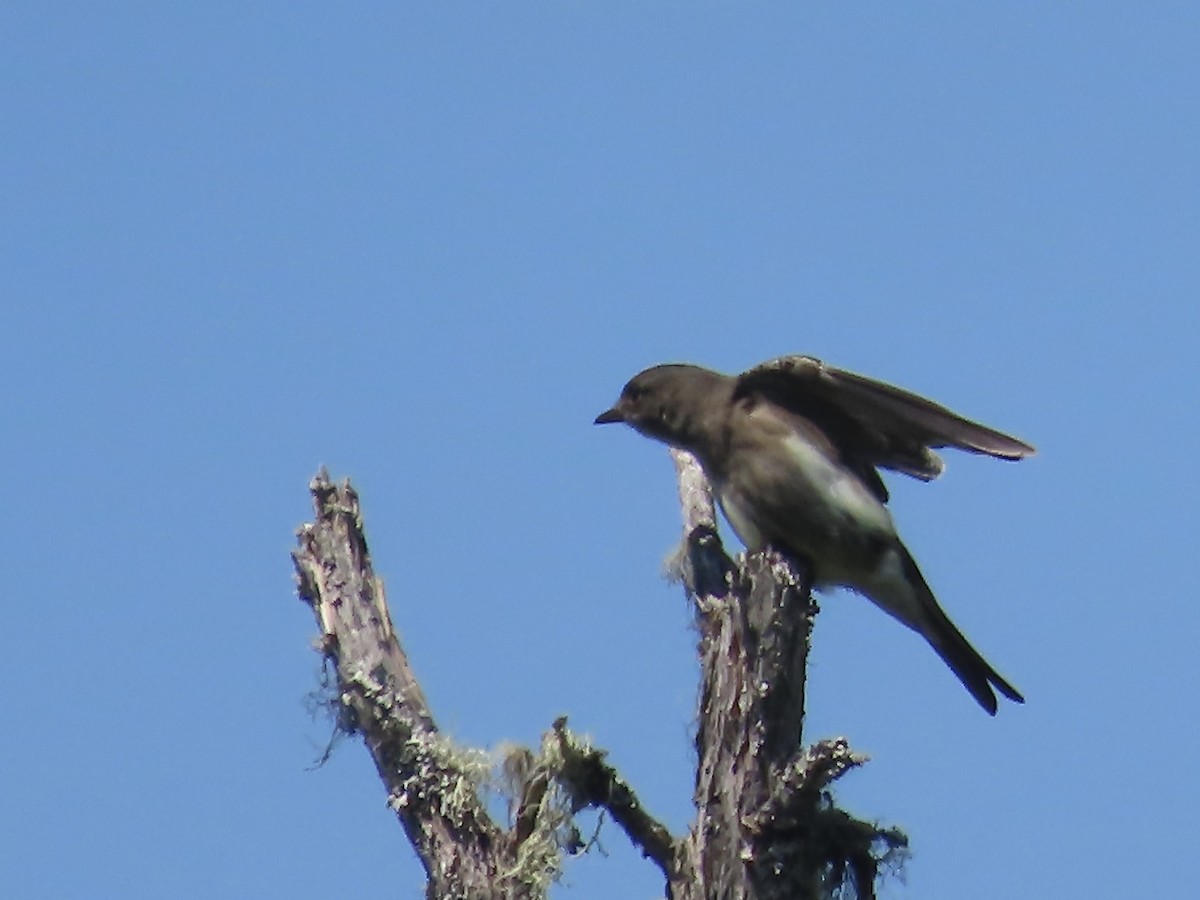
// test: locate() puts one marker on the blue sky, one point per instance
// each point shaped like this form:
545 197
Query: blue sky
425 245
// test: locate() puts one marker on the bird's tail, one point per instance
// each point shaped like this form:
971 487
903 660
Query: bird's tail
923 614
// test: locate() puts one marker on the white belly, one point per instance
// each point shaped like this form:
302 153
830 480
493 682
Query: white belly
842 492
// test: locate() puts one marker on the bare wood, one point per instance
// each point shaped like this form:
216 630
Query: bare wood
765 826
593 782
432 786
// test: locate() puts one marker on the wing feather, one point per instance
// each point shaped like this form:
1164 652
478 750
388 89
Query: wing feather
883 425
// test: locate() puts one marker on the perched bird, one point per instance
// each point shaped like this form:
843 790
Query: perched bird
793 447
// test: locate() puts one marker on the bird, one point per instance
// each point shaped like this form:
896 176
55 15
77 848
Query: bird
793 449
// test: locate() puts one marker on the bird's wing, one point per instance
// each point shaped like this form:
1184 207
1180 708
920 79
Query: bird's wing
882 425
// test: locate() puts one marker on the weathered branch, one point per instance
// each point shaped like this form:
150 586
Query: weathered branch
432 785
593 782
765 824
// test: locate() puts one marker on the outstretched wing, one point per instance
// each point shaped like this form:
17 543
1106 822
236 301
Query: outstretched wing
876 423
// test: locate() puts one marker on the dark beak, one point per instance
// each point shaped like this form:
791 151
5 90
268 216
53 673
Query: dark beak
607 418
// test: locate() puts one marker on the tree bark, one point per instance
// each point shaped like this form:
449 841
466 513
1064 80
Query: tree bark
765 824
432 786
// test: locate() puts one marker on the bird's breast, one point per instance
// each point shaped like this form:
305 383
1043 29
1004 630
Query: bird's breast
790 493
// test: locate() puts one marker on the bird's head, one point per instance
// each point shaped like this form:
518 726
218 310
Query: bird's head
667 403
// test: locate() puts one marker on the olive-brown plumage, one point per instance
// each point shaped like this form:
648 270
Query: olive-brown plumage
793 448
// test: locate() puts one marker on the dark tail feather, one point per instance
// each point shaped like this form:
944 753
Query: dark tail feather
972 669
